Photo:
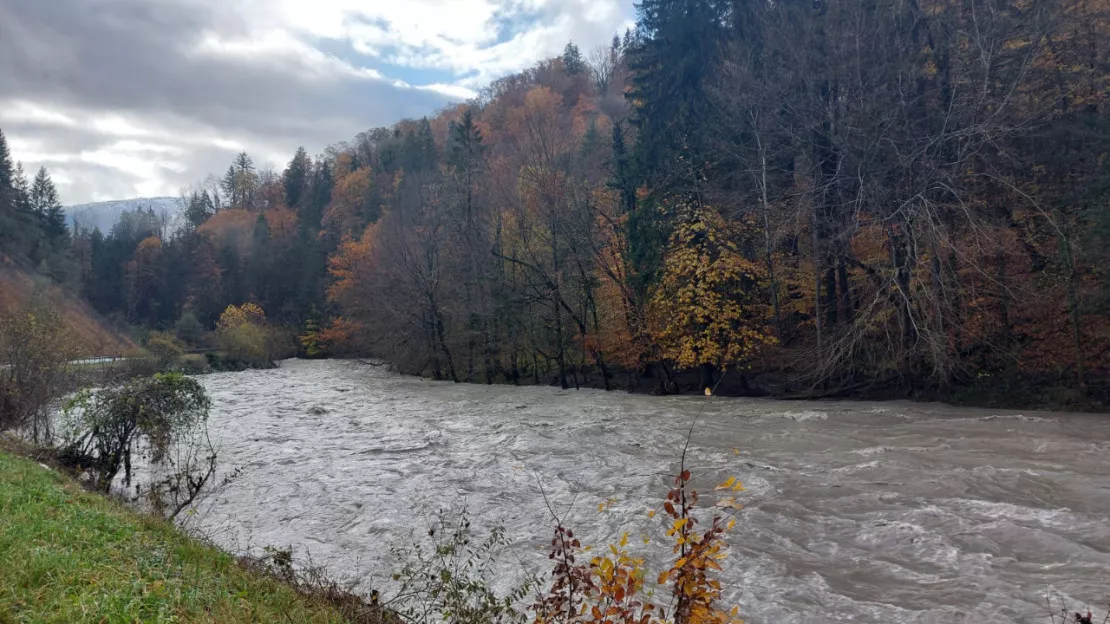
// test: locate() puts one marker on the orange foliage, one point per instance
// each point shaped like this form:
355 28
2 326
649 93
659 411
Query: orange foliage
350 267
349 201
282 221
233 227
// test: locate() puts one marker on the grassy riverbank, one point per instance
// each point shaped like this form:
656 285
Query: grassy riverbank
67 555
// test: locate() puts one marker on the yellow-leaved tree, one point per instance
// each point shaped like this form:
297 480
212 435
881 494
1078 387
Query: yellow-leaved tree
244 335
706 309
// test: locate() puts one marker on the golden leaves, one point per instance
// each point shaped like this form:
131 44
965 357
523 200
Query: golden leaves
704 309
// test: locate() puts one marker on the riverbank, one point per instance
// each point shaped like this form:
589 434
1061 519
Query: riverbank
68 555
1008 390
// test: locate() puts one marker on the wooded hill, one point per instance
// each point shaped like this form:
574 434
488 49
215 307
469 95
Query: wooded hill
907 197
37 258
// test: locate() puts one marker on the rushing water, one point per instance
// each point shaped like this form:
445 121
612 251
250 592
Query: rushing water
867 512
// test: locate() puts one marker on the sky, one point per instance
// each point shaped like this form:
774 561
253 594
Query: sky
140 98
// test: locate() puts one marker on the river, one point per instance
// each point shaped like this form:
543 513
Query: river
854 511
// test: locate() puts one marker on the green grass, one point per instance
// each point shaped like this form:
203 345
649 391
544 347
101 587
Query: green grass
68 556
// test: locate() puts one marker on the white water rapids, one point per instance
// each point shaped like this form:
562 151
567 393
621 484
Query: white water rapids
854 511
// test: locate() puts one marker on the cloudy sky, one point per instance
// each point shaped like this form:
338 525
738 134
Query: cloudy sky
137 98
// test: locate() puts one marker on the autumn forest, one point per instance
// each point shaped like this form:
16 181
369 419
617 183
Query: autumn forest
798 198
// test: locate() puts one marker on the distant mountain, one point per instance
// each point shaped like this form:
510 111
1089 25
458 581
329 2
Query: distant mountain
104 215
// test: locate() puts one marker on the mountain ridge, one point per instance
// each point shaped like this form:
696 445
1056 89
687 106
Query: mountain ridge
103 215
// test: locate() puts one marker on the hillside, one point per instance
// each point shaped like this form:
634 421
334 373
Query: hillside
95 335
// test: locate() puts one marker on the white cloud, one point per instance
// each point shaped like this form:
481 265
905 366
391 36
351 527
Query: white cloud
457 36
451 90
141 97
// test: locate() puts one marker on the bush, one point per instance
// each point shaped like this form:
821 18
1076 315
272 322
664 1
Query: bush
245 336
313 345
162 417
189 329
165 348
35 351
449 581
450 578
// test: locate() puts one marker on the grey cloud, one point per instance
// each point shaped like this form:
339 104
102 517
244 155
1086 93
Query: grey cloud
134 57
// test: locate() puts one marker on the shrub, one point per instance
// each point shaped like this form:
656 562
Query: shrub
165 348
313 345
245 336
189 329
610 588
35 350
449 578
162 417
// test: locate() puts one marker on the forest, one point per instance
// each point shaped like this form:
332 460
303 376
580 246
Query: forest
798 198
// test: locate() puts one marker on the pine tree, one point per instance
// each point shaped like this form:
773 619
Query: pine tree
675 51
572 59
210 207
259 260
426 146
295 178
22 190
227 185
198 210
464 156
7 173
42 192
47 207
245 181
239 182
8 194
464 141
244 164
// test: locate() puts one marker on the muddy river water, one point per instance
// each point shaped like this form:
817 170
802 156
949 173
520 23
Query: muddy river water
854 511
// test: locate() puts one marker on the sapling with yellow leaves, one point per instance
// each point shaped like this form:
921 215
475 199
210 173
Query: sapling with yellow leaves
610 589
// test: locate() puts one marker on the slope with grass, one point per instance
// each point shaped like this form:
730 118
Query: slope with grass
67 556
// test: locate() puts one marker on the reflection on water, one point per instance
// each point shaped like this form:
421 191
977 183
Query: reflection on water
868 512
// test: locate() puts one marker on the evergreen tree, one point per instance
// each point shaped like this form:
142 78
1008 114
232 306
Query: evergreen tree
244 164
45 204
628 41
296 177
239 182
424 147
198 210
464 156
259 261
9 194
210 207
464 142
311 211
572 59
227 185
22 190
246 180
675 52
7 172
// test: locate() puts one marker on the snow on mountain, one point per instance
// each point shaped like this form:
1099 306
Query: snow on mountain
104 215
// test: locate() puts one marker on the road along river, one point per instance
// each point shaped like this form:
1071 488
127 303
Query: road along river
854 511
